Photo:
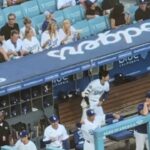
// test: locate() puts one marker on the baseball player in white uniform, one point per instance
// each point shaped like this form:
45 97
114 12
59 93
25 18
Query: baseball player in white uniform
55 134
88 127
96 92
140 133
24 143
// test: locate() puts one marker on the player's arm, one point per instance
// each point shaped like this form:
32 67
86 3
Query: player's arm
143 109
87 90
106 92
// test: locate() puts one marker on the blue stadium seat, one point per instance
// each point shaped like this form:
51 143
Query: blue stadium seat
16 9
59 17
37 22
98 24
73 13
131 11
30 8
84 28
20 23
47 5
2 18
82 9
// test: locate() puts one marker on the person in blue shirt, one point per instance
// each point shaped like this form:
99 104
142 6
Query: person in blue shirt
78 137
140 132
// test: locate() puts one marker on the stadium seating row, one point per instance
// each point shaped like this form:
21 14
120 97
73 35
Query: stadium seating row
35 8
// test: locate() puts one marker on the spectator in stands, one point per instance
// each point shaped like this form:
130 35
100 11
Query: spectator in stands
50 38
15 45
11 25
140 133
142 13
55 135
24 142
27 24
48 20
4 130
92 10
118 17
68 33
61 4
30 42
13 2
3 53
108 5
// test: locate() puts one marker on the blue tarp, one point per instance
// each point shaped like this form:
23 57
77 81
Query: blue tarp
79 56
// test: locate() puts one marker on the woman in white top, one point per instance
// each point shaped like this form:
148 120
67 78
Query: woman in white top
30 42
50 38
27 24
68 33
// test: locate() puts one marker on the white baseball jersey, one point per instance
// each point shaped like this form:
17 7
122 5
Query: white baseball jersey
29 146
54 41
22 32
88 129
65 3
58 135
94 91
14 47
32 45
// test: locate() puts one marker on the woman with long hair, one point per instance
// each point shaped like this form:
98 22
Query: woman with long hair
50 38
118 17
68 33
30 42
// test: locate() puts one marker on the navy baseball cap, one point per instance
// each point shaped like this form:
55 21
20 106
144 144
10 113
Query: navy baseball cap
23 134
90 112
143 1
53 118
148 94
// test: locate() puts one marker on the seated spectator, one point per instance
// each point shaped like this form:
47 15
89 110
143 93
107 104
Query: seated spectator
13 2
108 5
68 33
142 13
48 20
15 45
50 37
4 55
61 4
27 24
30 42
9 26
118 17
92 10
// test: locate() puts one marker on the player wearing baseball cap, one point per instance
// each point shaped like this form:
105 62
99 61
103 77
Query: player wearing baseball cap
140 133
24 143
88 127
96 92
55 135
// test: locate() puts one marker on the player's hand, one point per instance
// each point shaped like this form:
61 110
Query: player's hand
100 103
146 103
53 139
116 115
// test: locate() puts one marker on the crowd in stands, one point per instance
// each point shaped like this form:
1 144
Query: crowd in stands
17 42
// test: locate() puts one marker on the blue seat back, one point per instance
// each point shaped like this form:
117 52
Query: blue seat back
131 11
84 28
47 5
98 24
2 18
37 22
59 17
30 8
73 13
